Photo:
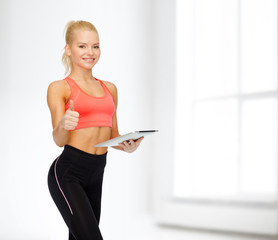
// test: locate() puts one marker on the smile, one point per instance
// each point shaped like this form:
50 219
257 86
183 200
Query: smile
88 59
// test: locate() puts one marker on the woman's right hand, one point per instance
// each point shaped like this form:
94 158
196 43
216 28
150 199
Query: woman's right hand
71 118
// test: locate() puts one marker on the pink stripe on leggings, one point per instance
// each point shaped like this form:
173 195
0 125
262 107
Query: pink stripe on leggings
60 187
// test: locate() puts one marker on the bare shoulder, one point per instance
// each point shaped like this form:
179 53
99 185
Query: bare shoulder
58 88
58 92
111 86
58 85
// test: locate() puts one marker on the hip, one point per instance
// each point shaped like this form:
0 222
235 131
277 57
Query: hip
76 165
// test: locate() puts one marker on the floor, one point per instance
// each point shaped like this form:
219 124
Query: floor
148 230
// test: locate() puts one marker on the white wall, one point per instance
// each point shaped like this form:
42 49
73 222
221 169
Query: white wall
31 50
164 104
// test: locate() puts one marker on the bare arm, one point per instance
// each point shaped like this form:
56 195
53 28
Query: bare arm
61 121
125 146
115 131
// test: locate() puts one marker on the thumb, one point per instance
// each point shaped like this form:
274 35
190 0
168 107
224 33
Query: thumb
71 106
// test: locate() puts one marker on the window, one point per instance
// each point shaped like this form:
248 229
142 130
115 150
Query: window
225 165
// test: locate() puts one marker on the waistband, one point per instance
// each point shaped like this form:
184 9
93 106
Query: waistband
80 153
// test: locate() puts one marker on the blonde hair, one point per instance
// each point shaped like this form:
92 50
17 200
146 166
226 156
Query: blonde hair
69 37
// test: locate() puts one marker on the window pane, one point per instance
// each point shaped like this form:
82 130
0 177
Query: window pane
220 51
214 165
216 47
259 143
258 45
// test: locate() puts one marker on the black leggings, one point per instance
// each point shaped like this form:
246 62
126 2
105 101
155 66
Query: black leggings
75 184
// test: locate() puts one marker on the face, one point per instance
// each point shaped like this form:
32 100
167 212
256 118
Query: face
84 51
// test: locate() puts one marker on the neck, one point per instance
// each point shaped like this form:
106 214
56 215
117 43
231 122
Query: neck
81 75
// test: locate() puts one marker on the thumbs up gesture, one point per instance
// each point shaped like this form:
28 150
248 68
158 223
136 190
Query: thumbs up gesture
71 118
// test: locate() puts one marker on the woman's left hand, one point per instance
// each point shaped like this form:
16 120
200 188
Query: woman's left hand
131 145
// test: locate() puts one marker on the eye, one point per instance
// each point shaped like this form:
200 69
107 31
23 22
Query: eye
96 47
81 46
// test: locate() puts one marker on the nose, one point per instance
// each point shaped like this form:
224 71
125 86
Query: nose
90 51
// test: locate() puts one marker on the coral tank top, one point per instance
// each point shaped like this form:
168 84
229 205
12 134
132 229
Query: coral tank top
93 111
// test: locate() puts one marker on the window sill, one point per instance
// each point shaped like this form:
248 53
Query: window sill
218 215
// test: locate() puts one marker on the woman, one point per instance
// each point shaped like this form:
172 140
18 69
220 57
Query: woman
83 113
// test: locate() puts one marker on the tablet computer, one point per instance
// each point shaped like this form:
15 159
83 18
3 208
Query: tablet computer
132 135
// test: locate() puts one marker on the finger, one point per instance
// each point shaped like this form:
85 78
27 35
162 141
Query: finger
70 126
71 106
73 114
126 144
123 147
74 119
131 143
71 118
138 141
71 123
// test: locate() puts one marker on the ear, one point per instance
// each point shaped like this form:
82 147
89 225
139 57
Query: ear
67 50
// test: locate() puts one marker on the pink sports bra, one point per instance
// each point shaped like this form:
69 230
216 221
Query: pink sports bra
93 111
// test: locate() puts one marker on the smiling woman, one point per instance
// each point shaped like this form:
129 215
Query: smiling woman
71 29
83 112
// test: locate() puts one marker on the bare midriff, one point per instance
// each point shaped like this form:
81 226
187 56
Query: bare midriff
85 139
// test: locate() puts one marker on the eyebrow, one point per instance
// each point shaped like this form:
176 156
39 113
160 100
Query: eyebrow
86 43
